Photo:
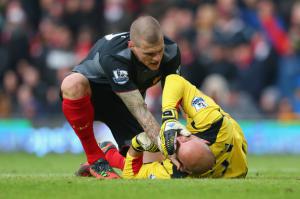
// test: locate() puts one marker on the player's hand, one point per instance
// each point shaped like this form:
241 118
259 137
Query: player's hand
175 161
167 136
142 142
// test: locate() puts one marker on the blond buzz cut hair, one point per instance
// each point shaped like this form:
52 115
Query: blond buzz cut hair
196 156
145 28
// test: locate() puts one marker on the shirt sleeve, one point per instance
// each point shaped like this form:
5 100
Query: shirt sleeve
132 166
118 74
173 92
172 67
135 169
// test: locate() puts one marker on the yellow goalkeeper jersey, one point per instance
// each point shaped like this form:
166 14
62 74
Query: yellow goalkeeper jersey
207 120
153 170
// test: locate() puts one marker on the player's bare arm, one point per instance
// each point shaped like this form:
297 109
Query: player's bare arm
136 105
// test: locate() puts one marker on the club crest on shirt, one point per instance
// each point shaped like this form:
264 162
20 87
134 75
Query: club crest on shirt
199 103
120 76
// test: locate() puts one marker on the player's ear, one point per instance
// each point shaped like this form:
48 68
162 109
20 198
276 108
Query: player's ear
179 139
130 44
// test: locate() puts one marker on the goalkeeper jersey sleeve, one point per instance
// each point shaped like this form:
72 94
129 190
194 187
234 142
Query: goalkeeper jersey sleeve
201 110
153 170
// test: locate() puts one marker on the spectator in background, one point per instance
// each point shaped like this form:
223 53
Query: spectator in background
273 26
197 48
289 70
169 24
252 62
15 34
229 31
72 15
5 106
84 43
296 98
10 84
191 69
294 29
285 110
269 102
262 16
42 31
217 88
117 16
8 92
231 99
28 106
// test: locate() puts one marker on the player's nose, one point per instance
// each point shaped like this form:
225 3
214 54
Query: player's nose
156 58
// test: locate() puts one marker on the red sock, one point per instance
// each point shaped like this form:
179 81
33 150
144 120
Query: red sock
80 115
115 159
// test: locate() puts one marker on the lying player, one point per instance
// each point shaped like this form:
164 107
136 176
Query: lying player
192 163
133 167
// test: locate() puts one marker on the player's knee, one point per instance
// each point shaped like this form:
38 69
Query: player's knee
75 86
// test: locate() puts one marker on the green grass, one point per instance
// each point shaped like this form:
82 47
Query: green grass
28 176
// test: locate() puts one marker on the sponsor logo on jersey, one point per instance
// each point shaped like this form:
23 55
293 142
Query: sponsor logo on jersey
120 76
199 103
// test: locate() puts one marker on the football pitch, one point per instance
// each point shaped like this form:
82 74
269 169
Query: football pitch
27 176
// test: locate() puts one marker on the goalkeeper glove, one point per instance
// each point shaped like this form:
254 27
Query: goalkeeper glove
168 134
142 142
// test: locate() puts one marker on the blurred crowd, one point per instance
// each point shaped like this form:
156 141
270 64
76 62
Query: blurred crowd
243 53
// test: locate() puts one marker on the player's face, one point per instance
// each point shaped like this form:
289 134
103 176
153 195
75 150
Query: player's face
181 141
150 55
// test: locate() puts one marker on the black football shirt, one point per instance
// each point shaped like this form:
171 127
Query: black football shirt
111 62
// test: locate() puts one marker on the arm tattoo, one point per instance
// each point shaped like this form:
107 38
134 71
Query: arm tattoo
136 105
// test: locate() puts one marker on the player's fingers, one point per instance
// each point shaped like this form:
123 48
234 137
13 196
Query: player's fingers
185 132
175 162
205 141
